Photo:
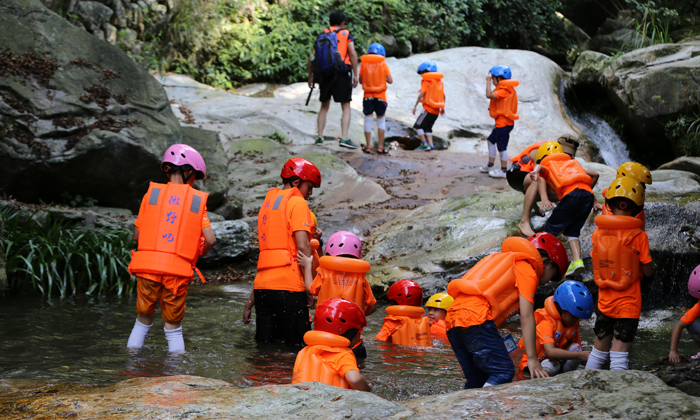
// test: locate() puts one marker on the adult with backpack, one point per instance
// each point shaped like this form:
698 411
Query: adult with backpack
333 65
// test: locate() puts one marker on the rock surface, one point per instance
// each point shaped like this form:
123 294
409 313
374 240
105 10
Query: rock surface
232 238
579 395
685 163
588 67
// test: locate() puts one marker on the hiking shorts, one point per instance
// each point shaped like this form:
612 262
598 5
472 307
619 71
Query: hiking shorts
694 329
336 84
571 213
425 121
624 329
371 105
281 316
150 292
500 137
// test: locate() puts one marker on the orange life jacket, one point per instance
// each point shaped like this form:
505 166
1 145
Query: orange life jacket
565 174
434 97
494 277
523 159
438 329
315 244
413 329
343 39
607 212
170 230
372 74
277 249
563 336
615 263
310 366
343 277
508 106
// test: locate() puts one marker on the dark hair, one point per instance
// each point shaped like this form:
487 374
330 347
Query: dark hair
350 334
546 259
624 203
290 180
337 17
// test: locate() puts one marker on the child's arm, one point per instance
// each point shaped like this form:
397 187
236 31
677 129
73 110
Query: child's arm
209 239
317 234
357 381
542 187
305 261
136 233
489 82
301 237
371 309
673 357
594 175
535 172
420 98
557 353
389 79
248 308
648 269
528 326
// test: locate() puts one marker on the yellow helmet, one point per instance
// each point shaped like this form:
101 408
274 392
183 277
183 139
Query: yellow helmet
549 148
313 217
636 171
440 301
627 188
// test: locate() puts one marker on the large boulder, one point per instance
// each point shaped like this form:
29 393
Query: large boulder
3 272
77 115
685 163
232 238
208 144
588 67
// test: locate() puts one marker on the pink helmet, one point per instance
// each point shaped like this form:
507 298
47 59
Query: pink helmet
694 283
181 155
344 243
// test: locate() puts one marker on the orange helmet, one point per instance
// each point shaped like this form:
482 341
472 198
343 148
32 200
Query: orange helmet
302 168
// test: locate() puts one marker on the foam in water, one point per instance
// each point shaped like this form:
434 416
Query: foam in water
611 148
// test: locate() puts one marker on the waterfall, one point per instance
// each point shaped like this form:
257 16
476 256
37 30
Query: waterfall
611 148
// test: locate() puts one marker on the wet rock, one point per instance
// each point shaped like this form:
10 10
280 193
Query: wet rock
3 272
78 117
685 163
232 209
690 388
232 240
588 67
110 33
671 379
209 146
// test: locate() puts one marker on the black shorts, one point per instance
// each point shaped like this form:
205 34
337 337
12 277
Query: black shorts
336 84
360 352
625 329
281 316
372 105
425 122
500 137
516 177
571 213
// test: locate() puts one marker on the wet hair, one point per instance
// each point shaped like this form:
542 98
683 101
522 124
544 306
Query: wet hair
350 334
624 203
337 17
546 259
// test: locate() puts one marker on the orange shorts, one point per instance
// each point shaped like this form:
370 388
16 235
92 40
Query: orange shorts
149 292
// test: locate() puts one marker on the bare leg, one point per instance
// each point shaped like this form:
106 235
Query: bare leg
345 120
144 319
321 121
575 246
368 138
531 195
380 133
603 344
620 346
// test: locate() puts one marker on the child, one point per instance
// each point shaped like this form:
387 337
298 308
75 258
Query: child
496 286
316 243
281 289
689 320
639 173
503 108
405 324
163 265
573 185
374 75
620 258
342 274
327 357
436 311
432 96
558 337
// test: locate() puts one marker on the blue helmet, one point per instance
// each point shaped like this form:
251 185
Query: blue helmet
376 48
500 70
427 66
575 298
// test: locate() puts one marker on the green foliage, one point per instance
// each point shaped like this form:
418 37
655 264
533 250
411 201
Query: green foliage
653 25
685 130
53 258
227 43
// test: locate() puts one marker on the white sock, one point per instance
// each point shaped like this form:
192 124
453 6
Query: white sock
619 360
492 149
368 123
176 344
487 384
597 359
138 335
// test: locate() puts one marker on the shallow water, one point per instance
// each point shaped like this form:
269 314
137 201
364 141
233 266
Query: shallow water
81 340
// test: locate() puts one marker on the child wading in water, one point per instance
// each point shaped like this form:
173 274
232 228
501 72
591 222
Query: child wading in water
172 231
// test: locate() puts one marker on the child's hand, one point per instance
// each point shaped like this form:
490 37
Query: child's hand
597 206
442 111
311 300
489 78
546 204
414 110
305 261
584 356
534 175
317 234
536 370
246 315
673 357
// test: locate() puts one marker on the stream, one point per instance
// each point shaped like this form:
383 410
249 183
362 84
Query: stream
82 339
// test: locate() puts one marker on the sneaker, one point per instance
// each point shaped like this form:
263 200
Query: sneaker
423 146
486 169
431 147
319 140
347 143
576 267
497 173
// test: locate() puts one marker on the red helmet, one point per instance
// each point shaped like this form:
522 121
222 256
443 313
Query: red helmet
302 168
406 292
338 315
553 247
